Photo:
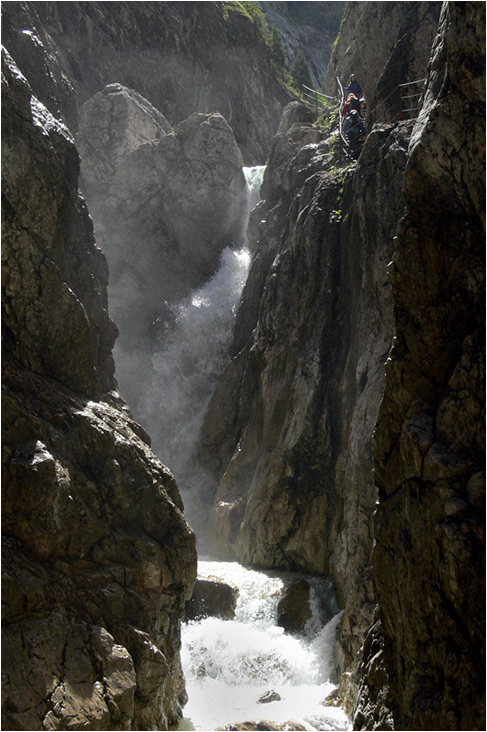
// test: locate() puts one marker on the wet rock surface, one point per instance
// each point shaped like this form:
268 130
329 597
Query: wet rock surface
97 558
424 656
293 609
211 598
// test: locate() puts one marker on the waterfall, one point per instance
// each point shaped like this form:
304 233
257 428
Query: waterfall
189 362
230 664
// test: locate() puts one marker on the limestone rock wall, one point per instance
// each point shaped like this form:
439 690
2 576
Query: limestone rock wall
289 428
384 44
97 558
181 57
424 661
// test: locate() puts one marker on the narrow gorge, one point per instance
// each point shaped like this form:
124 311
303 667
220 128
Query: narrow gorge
243 466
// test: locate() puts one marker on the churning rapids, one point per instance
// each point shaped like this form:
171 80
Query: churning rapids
230 664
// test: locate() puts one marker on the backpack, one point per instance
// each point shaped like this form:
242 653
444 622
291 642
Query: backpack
355 104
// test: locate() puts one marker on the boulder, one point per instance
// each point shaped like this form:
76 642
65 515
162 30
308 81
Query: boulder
269 696
294 609
114 123
211 598
295 113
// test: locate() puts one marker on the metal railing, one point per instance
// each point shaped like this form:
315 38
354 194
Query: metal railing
341 102
407 101
313 98
411 100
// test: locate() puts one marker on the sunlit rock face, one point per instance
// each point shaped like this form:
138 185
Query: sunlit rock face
384 44
98 559
181 57
289 429
165 204
424 659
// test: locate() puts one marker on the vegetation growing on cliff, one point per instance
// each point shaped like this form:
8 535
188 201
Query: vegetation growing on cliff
292 76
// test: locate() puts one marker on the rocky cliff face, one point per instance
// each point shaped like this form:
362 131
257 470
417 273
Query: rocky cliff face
424 659
98 559
300 398
384 44
182 57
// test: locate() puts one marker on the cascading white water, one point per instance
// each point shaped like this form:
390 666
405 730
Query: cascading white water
186 368
229 665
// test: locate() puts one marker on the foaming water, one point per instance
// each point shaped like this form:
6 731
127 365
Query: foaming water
229 665
187 367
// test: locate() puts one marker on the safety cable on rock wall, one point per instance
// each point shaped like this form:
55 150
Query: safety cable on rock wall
340 118
398 89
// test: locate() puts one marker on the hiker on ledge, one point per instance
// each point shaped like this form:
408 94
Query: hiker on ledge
354 87
355 134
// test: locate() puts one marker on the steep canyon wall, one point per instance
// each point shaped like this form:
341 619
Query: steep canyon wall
97 557
424 664
289 427
292 453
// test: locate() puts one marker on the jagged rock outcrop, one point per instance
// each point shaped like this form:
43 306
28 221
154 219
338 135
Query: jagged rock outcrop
292 448
114 123
39 59
165 204
98 559
181 57
294 609
309 25
384 45
424 659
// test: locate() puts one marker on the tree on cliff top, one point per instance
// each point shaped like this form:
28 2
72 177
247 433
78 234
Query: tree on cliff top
300 71
277 48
